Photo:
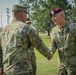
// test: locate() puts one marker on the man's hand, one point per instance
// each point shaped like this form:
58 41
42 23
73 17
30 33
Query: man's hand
1 72
51 55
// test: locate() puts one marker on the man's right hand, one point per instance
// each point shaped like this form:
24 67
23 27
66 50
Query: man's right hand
51 55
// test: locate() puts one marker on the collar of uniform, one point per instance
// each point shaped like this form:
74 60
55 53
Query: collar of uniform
65 28
58 29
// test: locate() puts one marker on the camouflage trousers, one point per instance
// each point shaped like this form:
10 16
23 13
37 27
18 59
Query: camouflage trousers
33 61
67 72
34 70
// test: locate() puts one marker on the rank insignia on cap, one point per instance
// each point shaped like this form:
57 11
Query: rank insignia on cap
55 11
52 12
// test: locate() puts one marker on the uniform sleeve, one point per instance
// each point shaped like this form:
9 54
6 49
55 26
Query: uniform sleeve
53 45
38 43
1 56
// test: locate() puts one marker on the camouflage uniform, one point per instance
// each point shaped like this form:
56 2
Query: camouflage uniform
15 41
33 60
64 40
33 57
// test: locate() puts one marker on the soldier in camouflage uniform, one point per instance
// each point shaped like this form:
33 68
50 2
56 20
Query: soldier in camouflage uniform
15 40
33 56
63 38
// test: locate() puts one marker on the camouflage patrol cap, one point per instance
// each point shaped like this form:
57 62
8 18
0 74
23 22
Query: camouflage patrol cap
55 11
19 8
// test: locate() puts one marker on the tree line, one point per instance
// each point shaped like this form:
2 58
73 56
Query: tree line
39 10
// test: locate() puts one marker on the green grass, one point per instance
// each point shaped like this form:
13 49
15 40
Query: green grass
44 66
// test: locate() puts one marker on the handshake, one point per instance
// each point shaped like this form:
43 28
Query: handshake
50 57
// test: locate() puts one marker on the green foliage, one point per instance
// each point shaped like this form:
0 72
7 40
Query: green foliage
41 9
73 12
22 2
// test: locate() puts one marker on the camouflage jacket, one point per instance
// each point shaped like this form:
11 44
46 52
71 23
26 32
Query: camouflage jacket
15 41
32 48
64 40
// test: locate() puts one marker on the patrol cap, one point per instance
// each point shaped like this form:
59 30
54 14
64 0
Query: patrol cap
19 8
55 11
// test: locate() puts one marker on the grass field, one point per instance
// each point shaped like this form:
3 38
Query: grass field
44 66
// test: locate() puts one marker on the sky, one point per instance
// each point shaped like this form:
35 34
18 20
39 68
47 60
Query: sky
3 5
7 4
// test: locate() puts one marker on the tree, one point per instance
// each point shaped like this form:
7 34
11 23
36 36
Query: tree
41 10
73 11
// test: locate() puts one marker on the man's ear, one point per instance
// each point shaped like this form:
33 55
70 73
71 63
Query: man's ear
21 15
